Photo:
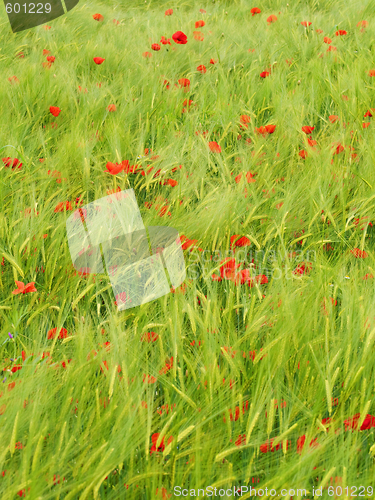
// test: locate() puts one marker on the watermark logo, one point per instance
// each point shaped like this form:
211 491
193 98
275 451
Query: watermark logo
142 264
24 15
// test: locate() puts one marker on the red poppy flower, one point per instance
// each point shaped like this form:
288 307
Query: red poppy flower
165 41
13 79
311 142
333 118
202 69
111 108
62 334
114 168
303 154
369 113
15 163
339 149
264 74
188 243
115 21
150 337
214 147
362 24
307 129
228 269
371 72
168 12
155 46
171 182
57 174
198 35
161 447
131 169
331 48
261 131
365 125
55 111
199 24
303 268
301 443
341 32
244 119
368 276
46 27
60 206
81 213
98 17
22 288
268 446
168 365
98 60
327 40
352 423
184 82
359 254
270 129
255 10
249 177
147 54
202 11
242 277
179 37
186 103
271 19
260 279
319 31
239 241
306 23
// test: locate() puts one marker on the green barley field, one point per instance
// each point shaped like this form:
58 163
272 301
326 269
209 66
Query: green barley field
247 127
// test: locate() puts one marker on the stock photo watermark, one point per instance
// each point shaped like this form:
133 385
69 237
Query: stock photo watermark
251 263
24 15
142 264
249 491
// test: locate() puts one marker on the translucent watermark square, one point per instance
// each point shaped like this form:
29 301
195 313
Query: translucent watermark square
142 264
24 15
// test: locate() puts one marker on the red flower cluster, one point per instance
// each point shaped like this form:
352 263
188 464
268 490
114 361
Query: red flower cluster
168 365
14 163
22 288
161 447
124 166
179 37
150 337
265 130
55 111
229 271
62 334
268 446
